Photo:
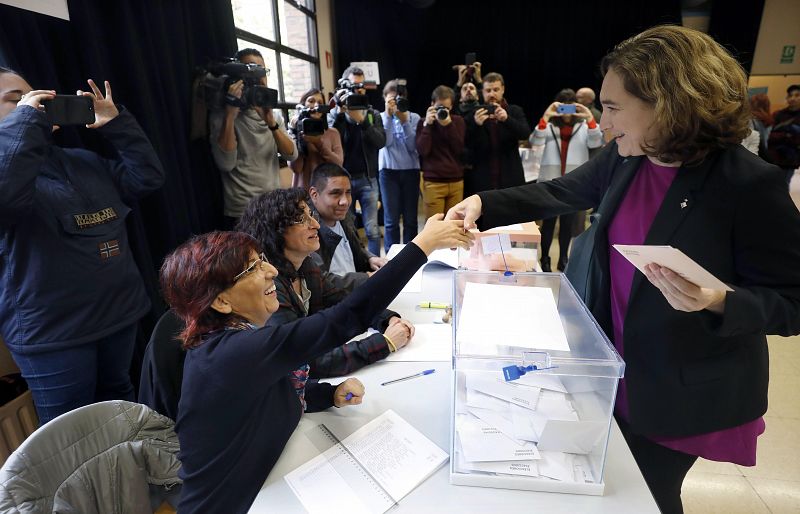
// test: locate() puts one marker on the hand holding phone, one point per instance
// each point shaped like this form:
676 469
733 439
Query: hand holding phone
104 108
566 109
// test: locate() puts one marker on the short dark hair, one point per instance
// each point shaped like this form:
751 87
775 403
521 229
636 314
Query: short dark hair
390 87
443 92
793 87
4 71
352 70
244 52
566 96
267 218
194 275
494 77
325 171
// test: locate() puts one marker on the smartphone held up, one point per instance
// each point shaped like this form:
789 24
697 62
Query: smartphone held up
65 110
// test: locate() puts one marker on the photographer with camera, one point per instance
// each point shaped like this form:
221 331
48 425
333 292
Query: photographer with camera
316 143
361 129
398 162
246 137
493 134
568 131
71 294
440 143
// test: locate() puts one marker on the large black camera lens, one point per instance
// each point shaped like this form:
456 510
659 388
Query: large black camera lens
442 113
354 101
260 96
402 104
313 127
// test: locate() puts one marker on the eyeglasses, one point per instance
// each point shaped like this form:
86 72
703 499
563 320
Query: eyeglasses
306 219
261 262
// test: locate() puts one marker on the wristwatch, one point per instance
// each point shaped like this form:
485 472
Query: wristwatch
274 128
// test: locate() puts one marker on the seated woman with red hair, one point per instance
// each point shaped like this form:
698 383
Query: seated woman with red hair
242 396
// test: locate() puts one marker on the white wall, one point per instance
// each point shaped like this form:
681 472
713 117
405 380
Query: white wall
325 39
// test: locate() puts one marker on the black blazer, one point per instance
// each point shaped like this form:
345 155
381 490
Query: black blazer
687 373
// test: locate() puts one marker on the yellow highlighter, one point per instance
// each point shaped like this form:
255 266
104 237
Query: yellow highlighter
433 305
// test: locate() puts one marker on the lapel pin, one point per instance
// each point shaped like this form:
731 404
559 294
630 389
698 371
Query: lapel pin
685 203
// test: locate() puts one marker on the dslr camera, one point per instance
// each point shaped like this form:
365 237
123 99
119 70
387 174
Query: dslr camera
308 126
221 74
402 96
346 95
442 112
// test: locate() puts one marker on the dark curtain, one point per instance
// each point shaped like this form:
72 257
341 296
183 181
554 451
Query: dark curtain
737 28
538 47
148 50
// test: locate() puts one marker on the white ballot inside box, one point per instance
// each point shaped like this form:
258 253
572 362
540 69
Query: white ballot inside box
535 381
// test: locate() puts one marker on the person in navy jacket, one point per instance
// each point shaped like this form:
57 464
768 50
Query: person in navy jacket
70 292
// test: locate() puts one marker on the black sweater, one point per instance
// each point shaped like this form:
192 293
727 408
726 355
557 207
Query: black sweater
237 407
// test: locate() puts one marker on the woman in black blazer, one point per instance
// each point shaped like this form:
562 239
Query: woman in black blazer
697 365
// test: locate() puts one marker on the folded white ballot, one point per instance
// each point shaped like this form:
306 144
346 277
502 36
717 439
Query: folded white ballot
528 424
481 442
489 383
542 381
555 405
481 400
500 420
528 468
557 465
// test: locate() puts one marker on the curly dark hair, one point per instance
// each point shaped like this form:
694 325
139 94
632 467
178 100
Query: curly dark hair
267 218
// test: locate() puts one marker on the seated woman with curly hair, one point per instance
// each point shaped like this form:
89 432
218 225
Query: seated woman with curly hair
281 221
240 400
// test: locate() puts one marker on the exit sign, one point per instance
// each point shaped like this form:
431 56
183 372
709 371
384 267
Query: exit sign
787 56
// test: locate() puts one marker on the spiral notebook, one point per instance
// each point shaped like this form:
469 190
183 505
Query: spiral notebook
367 472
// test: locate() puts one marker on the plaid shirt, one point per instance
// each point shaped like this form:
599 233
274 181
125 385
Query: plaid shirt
327 290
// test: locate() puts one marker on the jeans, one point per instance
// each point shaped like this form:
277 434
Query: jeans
365 190
400 195
65 379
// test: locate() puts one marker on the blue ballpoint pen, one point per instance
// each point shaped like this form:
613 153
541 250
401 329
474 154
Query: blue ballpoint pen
420 374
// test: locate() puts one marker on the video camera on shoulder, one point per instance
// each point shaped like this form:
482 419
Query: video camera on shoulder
308 126
347 96
224 73
402 96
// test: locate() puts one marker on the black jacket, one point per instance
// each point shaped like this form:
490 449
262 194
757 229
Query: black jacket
687 373
481 151
373 138
329 240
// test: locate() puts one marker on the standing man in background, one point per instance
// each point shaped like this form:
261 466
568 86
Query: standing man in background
586 98
398 162
493 138
363 136
245 143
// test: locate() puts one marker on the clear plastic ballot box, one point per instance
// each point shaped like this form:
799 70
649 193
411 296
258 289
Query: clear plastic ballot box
534 384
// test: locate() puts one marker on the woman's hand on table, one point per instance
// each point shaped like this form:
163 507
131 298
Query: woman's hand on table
352 386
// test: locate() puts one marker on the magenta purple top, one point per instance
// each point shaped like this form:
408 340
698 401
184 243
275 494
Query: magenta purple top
630 226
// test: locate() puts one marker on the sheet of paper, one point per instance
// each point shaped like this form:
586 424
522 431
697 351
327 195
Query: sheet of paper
445 257
497 243
493 314
514 227
432 342
571 436
487 383
482 442
395 454
674 259
527 424
555 405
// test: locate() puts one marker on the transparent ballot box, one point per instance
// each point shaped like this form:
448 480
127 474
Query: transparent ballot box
534 384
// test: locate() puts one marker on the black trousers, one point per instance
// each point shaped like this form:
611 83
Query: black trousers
663 469
566 222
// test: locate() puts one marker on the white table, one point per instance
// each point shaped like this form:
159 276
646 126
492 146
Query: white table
425 403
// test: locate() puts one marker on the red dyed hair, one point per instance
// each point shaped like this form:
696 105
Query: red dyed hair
759 104
196 272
